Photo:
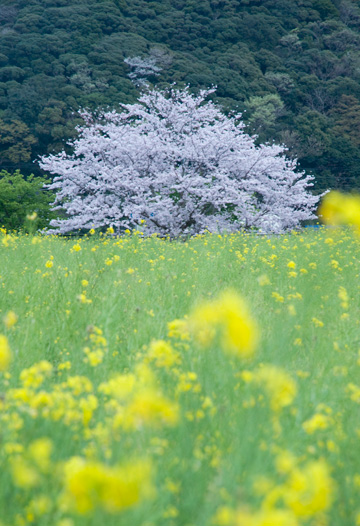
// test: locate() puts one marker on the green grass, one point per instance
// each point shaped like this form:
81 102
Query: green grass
210 459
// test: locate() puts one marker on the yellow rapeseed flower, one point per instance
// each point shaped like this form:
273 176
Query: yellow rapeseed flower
225 516
229 314
36 374
23 473
278 385
39 452
344 297
341 209
150 407
92 485
317 421
5 353
317 323
178 329
82 298
285 462
263 280
40 505
162 354
10 319
93 357
278 297
309 490
268 517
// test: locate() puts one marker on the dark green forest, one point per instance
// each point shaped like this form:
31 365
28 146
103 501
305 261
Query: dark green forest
291 66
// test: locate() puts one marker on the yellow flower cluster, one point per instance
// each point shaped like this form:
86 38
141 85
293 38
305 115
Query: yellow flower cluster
162 354
341 209
278 384
91 485
229 315
307 492
28 469
135 401
123 400
5 353
94 354
10 319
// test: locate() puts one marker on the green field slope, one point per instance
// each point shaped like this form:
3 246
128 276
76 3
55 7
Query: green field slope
213 382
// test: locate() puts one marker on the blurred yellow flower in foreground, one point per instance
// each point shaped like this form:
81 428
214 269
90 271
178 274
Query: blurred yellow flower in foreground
278 384
5 353
317 421
24 474
229 314
90 485
310 490
178 329
340 209
10 319
162 354
266 518
40 451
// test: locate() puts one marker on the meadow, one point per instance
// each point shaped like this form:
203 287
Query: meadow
208 382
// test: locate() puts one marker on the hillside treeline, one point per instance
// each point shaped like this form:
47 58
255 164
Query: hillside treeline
292 68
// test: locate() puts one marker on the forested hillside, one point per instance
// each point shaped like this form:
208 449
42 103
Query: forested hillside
292 67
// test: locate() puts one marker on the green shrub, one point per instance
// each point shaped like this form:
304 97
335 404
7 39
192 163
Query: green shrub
24 202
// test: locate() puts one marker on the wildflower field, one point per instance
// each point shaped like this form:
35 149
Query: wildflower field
148 382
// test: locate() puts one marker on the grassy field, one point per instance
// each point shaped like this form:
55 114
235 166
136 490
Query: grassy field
213 382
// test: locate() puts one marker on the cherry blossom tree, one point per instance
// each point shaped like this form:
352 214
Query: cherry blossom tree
142 68
175 161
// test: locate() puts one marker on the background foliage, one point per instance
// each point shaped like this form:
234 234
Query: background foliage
293 66
24 204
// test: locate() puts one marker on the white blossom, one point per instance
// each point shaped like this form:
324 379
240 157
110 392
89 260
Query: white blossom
176 161
141 69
